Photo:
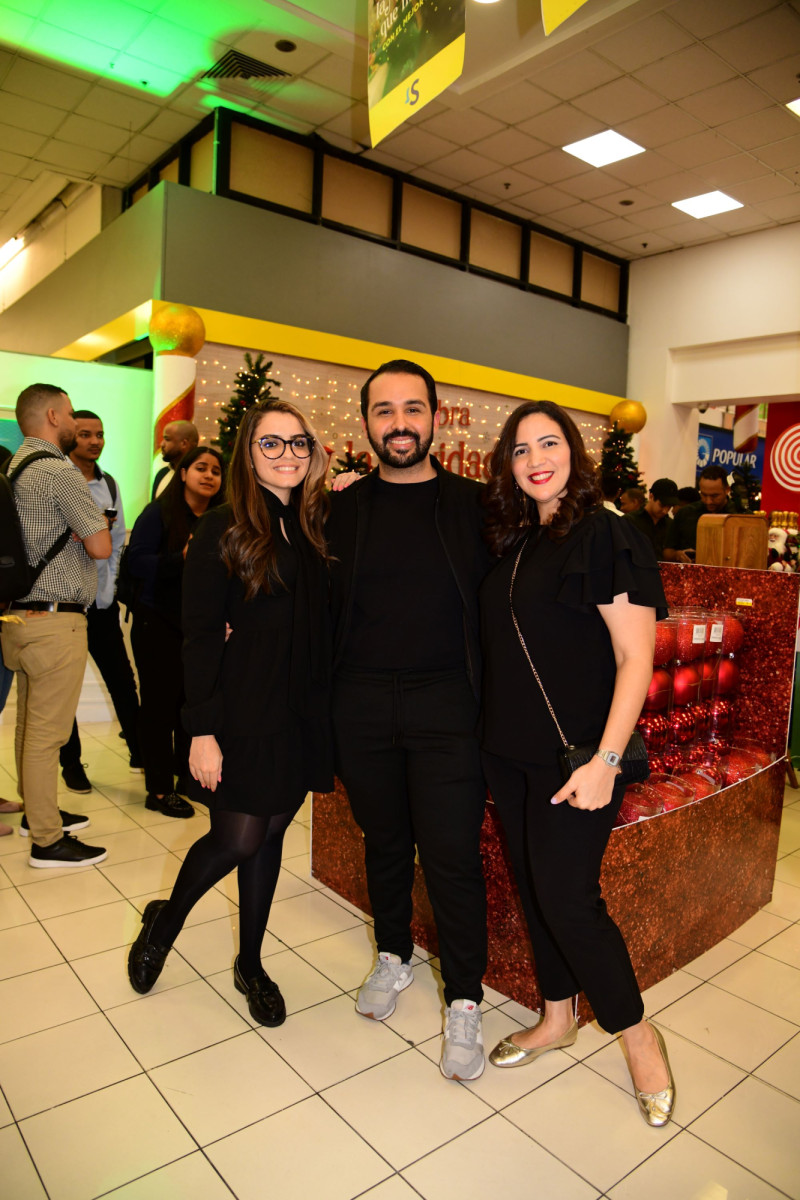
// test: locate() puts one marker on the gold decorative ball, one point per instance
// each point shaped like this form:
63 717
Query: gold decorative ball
630 415
176 329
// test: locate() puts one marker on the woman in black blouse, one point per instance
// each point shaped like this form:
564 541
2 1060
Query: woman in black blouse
586 595
155 560
257 704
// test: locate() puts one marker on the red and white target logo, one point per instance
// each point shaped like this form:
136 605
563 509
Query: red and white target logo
784 461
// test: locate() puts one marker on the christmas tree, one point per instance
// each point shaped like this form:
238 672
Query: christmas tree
351 462
251 385
617 459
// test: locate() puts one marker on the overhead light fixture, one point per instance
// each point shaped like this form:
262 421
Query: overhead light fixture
707 205
794 106
604 148
486 1
7 252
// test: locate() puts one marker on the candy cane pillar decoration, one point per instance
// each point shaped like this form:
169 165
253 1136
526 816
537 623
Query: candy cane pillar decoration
177 334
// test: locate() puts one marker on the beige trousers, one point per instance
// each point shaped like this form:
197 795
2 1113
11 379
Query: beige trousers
48 654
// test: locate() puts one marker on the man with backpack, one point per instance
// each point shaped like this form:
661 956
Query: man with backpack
52 532
106 643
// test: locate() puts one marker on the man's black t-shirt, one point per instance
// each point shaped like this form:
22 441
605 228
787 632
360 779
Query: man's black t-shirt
407 611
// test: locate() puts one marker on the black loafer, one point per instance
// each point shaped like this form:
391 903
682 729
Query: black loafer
264 997
146 958
171 805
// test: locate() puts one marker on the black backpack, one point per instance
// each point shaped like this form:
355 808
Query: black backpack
17 576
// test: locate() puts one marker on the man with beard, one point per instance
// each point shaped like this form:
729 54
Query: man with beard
408 558
179 437
47 645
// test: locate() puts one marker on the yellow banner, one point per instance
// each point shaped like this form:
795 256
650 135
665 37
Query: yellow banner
416 50
555 12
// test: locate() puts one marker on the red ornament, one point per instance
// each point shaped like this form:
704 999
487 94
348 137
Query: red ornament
660 690
686 647
654 729
701 715
686 685
708 677
727 677
665 644
718 714
738 765
732 635
673 791
702 784
639 801
682 726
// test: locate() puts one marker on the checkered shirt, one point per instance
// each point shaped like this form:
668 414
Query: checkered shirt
52 496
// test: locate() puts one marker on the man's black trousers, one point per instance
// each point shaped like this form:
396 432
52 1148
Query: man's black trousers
107 648
409 758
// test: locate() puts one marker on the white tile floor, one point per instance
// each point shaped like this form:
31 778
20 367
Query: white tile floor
178 1094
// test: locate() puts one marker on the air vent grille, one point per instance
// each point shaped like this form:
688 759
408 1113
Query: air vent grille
234 65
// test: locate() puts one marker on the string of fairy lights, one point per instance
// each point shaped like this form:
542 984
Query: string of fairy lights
329 395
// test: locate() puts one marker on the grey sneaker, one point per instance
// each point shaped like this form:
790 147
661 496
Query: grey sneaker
462 1052
377 997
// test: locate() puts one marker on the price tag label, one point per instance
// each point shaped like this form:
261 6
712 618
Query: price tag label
698 634
716 631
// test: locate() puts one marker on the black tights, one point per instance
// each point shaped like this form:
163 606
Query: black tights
254 845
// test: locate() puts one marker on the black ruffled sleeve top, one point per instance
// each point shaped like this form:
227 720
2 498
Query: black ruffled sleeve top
557 590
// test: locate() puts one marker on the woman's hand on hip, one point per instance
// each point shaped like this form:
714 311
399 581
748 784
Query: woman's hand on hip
589 787
205 761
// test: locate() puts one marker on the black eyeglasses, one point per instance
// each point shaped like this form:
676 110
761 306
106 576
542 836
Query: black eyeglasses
274 446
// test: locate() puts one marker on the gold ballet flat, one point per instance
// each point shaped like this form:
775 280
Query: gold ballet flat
508 1054
657 1108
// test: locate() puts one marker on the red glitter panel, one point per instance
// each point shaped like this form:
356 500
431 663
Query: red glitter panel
766 659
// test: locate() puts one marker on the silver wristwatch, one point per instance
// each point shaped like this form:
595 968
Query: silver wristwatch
610 757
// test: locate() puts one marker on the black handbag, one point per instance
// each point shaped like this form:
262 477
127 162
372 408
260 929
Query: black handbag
633 764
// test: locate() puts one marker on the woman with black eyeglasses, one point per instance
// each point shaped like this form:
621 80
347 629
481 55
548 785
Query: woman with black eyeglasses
257 702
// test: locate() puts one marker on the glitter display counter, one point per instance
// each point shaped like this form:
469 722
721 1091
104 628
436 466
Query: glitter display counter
677 883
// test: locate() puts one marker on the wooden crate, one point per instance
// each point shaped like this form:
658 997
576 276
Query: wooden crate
732 540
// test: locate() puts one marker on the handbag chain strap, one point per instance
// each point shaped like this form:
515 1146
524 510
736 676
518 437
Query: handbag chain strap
525 648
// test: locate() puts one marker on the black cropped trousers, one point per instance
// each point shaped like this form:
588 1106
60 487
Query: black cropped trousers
557 852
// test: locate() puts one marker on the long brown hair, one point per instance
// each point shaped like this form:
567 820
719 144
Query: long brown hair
248 545
510 512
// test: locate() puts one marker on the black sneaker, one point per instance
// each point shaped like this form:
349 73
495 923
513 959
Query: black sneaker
76 779
171 805
70 823
69 852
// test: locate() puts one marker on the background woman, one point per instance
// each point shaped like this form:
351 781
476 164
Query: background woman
155 561
257 706
586 595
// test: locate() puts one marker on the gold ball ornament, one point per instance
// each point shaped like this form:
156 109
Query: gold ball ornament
630 415
176 329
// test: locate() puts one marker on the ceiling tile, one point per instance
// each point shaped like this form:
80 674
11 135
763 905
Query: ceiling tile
72 158
169 125
676 187
693 232
462 126
509 146
341 75
779 79
417 145
352 124
780 155
613 203
706 17
759 42
609 231
379 155
183 51
431 176
783 208
730 170
16 27
590 185
580 215
700 148
306 100
13 164
764 187
260 43
725 102
575 75
119 24
618 101
561 125
546 200
553 166
642 168
660 217
643 42
115 108
760 129
741 220
119 172
517 103
29 114
690 70
81 131
59 88
494 185
653 243
662 125
21 141
464 166
143 149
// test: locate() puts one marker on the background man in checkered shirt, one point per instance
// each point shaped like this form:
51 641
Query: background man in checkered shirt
48 648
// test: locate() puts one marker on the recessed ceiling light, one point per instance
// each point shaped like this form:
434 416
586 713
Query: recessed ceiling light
604 148
707 205
794 105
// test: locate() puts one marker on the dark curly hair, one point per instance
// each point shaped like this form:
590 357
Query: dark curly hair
510 512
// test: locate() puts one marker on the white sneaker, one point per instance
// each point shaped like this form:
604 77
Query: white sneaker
462 1051
377 997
